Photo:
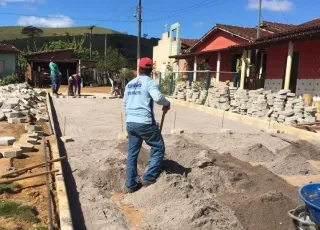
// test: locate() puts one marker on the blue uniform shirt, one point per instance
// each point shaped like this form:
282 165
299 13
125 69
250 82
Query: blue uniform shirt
139 95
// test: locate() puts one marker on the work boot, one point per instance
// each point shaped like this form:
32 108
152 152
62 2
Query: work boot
132 190
147 183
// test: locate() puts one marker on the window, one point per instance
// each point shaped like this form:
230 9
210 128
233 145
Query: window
1 66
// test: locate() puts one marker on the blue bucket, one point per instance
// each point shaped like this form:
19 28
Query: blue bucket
310 194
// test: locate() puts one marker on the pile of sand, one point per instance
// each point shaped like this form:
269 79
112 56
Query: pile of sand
174 203
255 153
201 189
267 211
292 164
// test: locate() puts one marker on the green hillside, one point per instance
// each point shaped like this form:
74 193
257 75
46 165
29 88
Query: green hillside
14 32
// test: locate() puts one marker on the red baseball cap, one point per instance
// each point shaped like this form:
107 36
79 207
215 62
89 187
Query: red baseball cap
145 63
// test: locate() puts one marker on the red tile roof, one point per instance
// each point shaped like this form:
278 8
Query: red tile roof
247 33
188 42
313 22
304 29
4 48
276 26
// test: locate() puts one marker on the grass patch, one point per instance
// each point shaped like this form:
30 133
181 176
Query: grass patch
9 188
18 211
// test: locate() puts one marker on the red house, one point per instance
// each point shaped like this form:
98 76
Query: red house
283 50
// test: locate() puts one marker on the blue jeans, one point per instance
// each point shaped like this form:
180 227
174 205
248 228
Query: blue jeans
137 133
235 80
55 83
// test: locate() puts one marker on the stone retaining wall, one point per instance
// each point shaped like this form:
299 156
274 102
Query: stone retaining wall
282 106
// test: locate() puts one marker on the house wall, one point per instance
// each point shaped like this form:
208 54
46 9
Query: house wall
161 52
308 70
220 40
9 61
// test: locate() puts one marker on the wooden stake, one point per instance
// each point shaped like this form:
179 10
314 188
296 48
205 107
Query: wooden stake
121 123
31 167
27 177
64 129
222 120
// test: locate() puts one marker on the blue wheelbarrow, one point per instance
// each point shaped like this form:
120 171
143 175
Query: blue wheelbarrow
307 217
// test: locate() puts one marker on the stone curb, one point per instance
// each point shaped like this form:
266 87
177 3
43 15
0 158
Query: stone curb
252 121
63 201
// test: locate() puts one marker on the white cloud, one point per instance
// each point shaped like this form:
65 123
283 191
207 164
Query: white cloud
198 24
5 2
272 5
53 21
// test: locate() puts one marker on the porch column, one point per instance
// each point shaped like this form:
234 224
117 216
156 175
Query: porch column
249 63
243 69
195 68
218 67
261 65
288 67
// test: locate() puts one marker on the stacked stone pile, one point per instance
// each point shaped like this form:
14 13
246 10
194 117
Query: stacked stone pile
17 101
180 91
239 104
309 115
193 93
12 148
257 104
218 97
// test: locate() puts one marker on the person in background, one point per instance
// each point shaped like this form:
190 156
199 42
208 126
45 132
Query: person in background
77 85
117 86
71 83
55 76
140 93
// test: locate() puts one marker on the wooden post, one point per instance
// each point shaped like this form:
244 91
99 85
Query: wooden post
261 65
288 67
195 68
218 67
243 69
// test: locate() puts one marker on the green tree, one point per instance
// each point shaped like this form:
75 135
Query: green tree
112 63
76 44
31 31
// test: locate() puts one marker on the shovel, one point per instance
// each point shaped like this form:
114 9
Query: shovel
162 120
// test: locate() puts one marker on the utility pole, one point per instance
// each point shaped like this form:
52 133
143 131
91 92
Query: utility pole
105 44
139 11
259 19
91 28
257 62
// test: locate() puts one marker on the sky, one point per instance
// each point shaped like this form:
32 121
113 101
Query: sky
196 17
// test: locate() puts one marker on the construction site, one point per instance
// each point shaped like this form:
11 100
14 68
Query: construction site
218 174
64 167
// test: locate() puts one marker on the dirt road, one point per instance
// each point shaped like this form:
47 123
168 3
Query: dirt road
207 181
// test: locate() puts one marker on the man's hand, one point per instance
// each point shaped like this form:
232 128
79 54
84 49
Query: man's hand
166 108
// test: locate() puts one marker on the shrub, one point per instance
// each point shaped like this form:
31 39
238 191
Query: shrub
10 79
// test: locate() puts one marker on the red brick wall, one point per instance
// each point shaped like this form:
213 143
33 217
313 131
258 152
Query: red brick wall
220 40
309 60
276 61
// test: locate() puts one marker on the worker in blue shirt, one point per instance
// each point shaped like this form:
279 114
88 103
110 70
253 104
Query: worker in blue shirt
140 93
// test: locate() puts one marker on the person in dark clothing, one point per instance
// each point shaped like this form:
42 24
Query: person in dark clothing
71 83
77 85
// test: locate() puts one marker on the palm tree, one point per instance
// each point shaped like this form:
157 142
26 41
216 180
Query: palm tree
91 28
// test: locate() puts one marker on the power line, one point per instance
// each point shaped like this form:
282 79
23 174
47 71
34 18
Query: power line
282 13
79 19
189 10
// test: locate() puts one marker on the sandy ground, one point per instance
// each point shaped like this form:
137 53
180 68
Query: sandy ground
207 181
103 89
